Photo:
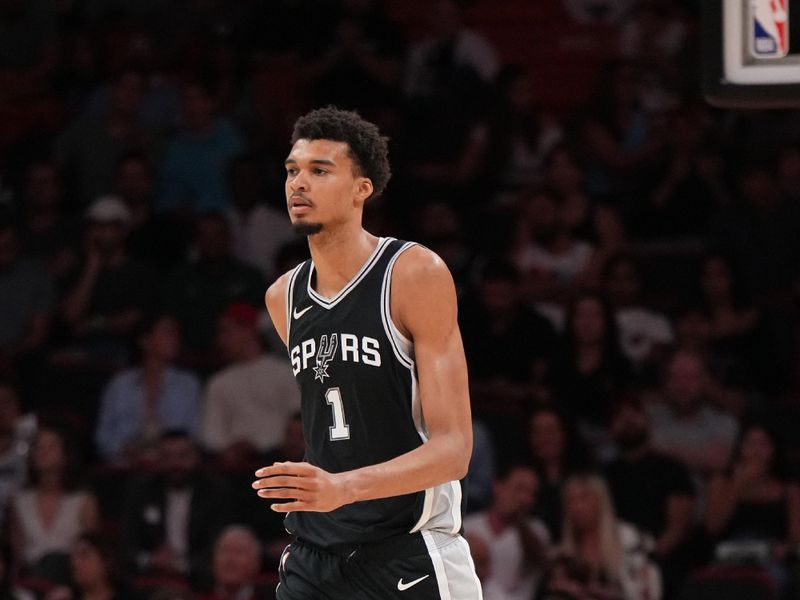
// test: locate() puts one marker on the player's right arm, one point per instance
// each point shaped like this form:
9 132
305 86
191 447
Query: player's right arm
275 299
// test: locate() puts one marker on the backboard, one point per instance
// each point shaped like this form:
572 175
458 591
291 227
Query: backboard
752 53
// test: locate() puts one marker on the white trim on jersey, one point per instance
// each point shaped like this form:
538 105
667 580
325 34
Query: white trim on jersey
290 299
397 339
328 303
455 507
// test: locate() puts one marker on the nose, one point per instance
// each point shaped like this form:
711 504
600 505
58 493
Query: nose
299 183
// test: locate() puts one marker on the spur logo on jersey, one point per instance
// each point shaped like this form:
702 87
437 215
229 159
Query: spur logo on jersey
327 349
322 355
769 28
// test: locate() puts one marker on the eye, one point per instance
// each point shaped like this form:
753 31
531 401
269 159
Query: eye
291 171
319 171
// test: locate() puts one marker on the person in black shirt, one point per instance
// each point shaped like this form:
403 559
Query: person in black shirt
650 490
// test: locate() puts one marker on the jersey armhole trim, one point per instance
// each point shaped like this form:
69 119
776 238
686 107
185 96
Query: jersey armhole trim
397 339
290 298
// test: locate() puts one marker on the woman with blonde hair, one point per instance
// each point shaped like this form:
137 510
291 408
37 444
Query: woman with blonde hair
600 557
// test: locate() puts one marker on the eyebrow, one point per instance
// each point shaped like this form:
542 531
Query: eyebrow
316 161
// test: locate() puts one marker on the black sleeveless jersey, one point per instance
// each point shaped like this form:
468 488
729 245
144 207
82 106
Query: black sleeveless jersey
360 404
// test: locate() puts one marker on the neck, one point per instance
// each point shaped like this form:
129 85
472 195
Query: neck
50 481
152 365
338 255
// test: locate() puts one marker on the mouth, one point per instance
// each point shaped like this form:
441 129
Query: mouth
299 204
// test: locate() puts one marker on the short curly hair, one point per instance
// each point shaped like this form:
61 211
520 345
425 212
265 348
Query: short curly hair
367 148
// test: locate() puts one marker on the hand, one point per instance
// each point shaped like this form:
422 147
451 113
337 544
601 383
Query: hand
310 488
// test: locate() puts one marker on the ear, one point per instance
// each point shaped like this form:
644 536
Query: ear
364 189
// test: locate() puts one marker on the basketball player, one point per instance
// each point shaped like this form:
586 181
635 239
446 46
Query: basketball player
370 325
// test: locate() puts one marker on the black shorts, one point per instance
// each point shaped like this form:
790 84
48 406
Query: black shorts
418 566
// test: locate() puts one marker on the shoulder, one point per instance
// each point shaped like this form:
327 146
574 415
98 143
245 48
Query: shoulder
277 289
418 265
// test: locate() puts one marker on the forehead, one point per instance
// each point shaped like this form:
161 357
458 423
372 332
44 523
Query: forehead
322 150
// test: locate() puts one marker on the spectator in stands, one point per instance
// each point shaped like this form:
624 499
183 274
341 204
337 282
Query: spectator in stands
588 220
450 56
599 555
754 500
690 186
49 514
448 74
26 303
556 453
45 229
651 491
196 159
508 346
247 404
520 135
140 403
236 565
172 517
623 142
109 293
198 292
592 370
95 572
16 434
737 338
555 262
90 149
153 239
759 230
517 542
685 423
362 64
439 226
644 332
258 230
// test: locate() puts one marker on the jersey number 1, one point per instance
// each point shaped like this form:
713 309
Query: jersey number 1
340 429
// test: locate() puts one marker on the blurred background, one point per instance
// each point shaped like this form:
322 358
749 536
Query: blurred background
627 260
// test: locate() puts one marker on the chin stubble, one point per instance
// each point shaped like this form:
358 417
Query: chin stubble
307 228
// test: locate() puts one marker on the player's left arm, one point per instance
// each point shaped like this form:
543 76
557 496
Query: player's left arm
424 308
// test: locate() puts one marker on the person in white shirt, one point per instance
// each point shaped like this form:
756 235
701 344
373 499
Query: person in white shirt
247 404
517 543
257 230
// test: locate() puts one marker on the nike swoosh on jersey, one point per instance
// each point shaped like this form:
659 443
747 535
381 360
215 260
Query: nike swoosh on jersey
297 315
404 586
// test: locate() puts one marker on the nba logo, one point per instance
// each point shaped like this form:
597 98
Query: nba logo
769 29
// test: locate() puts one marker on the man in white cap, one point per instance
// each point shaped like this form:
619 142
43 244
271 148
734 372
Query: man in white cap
109 291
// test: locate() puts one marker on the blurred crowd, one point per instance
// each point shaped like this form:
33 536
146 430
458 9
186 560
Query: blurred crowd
626 257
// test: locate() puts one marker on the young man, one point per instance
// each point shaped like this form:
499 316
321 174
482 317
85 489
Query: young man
370 324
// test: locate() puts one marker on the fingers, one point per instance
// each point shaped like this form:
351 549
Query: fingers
286 468
286 507
284 481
